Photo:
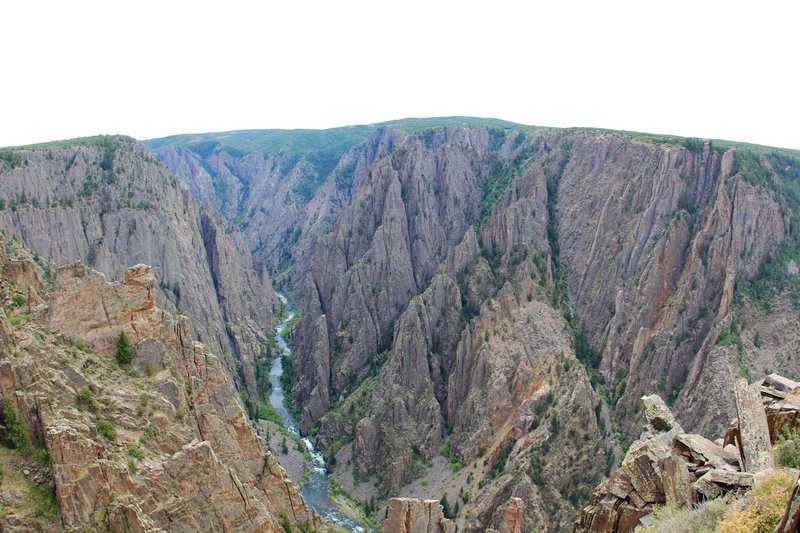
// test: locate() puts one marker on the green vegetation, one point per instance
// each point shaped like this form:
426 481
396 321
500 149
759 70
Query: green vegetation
20 319
144 401
553 173
135 451
693 144
748 165
499 466
773 277
291 326
124 349
102 141
302 141
586 353
267 412
759 511
19 300
269 350
17 428
87 400
44 501
764 507
446 510
787 448
315 153
148 435
107 430
495 184
287 382
283 521
449 453
11 158
700 518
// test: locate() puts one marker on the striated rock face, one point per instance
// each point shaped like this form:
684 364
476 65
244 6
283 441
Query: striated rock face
653 239
452 334
284 202
402 222
108 203
182 456
408 515
460 285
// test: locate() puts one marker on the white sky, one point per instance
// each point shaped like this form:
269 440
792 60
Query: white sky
154 68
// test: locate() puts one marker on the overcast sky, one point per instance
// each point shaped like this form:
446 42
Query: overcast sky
151 69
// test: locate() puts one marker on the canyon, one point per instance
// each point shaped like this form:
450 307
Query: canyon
481 304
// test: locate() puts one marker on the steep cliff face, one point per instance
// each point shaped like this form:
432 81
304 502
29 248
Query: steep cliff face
109 203
385 248
284 198
433 308
484 291
654 239
160 444
478 362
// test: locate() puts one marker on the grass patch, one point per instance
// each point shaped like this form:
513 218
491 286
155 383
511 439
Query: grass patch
44 502
762 508
700 518
266 411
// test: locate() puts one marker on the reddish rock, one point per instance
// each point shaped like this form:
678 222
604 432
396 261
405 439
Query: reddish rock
409 515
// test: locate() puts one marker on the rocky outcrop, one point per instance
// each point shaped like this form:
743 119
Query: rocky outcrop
669 467
511 517
408 515
162 445
108 203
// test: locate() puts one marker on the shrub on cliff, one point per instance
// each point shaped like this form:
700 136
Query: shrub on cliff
124 349
17 429
787 448
762 509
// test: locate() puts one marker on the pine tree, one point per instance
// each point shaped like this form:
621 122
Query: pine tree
446 507
17 430
124 349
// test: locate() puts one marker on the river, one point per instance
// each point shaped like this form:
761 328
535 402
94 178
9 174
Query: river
317 489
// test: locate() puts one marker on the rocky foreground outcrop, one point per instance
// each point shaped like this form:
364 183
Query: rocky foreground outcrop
160 444
667 466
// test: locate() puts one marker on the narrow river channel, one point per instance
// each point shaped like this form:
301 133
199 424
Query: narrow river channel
317 489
